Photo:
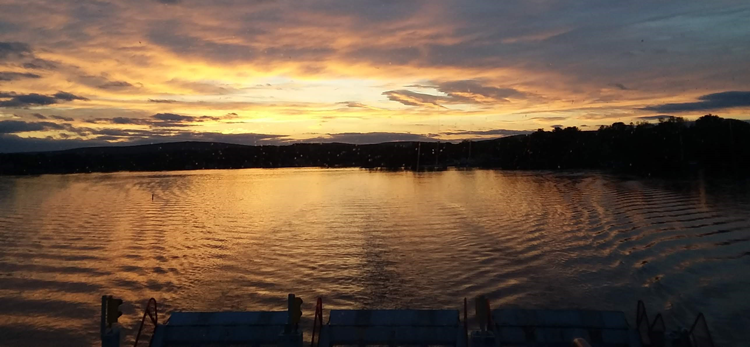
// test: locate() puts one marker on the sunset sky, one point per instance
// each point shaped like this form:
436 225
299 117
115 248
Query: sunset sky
82 73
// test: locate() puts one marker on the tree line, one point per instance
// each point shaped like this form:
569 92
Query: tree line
674 145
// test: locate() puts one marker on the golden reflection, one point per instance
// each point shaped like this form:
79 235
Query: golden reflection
236 239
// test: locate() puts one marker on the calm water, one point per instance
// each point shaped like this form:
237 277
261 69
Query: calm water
234 240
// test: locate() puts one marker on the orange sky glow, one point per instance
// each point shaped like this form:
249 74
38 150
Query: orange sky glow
75 73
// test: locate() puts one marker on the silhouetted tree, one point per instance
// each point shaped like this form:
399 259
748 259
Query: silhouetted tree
711 143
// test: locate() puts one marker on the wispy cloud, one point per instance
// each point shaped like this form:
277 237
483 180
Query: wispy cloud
410 98
456 92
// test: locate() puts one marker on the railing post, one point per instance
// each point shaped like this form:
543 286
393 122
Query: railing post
103 324
110 336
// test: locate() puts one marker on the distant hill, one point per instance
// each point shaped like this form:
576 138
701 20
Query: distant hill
711 143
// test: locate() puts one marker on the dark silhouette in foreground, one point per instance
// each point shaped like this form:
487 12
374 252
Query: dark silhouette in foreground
711 144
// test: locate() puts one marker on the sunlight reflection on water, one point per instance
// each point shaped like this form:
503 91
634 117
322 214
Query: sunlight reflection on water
235 240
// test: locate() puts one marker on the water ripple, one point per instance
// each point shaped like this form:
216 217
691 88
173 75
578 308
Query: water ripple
242 239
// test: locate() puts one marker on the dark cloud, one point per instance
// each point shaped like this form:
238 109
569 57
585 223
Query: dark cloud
38 116
656 117
23 100
126 120
12 76
161 120
17 126
162 101
115 85
352 104
40 64
177 120
168 2
67 119
368 138
68 96
493 132
34 99
14 49
172 117
22 54
621 86
709 102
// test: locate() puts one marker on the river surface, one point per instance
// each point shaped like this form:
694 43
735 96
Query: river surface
243 239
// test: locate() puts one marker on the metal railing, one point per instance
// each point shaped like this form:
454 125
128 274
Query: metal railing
154 317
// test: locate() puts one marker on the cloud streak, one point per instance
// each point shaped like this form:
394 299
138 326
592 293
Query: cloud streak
456 92
370 138
492 132
163 120
12 76
14 126
709 102
656 117
410 98
13 99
